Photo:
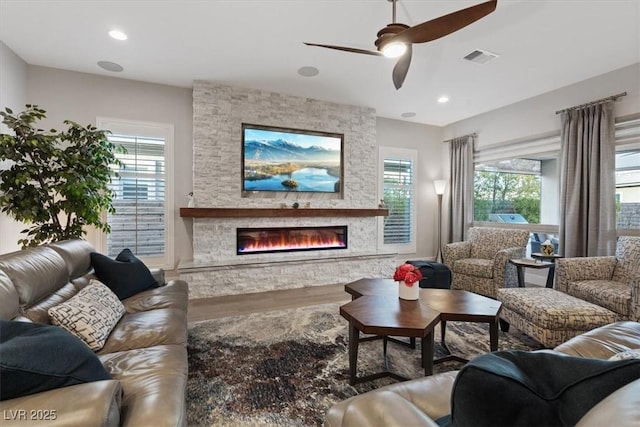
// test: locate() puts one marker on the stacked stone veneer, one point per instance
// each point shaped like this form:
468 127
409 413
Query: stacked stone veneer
218 114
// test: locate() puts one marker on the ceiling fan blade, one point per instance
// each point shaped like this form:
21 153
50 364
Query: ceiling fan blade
447 24
401 68
346 49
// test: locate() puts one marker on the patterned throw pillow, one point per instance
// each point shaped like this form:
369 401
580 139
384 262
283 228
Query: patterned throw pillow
90 315
627 354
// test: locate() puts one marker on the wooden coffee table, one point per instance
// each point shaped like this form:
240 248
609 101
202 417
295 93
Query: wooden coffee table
384 316
452 305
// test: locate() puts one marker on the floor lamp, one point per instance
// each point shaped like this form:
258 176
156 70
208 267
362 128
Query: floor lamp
440 185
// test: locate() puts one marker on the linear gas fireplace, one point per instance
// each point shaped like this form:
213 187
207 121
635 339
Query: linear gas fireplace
288 239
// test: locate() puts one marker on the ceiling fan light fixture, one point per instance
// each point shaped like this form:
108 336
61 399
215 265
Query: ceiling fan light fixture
394 49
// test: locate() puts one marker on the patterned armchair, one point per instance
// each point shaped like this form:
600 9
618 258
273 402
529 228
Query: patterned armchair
481 263
612 282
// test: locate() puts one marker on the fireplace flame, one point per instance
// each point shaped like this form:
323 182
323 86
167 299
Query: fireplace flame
293 241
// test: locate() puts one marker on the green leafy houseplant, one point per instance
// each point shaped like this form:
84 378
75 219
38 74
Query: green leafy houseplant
58 181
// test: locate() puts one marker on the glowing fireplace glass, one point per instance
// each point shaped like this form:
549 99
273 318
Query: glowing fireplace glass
288 239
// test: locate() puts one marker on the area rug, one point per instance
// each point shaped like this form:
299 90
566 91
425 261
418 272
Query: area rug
286 368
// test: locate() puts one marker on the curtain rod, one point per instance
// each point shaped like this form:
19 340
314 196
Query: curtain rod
614 97
470 134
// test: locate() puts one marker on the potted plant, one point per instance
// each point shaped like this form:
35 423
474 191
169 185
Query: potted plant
57 181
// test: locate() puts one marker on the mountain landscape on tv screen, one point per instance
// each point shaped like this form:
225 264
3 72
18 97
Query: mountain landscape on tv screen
280 165
283 151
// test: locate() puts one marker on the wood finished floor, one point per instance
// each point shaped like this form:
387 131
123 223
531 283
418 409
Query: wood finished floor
236 305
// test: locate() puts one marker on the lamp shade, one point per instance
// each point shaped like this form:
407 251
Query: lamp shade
440 185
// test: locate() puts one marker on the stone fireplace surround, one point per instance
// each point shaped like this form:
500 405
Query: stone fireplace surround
216 269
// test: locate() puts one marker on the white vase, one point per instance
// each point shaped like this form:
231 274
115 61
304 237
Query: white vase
407 291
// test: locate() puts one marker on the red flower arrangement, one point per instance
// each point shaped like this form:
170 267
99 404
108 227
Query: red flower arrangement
408 273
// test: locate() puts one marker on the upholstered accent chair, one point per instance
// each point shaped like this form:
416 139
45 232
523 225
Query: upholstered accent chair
481 263
612 282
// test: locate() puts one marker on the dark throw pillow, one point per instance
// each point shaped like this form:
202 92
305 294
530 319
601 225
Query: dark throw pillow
518 388
36 357
125 276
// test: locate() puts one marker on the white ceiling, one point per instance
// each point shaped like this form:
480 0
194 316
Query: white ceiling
543 45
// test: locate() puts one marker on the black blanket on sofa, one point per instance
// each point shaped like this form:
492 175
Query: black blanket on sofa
517 388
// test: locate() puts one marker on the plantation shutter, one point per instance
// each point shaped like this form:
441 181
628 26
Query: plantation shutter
138 222
398 198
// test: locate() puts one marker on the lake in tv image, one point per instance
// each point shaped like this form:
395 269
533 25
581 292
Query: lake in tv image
291 161
308 179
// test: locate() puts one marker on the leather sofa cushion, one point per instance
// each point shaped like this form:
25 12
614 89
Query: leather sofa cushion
386 408
509 388
37 358
429 395
125 276
10 306
154 381
95 404
75 254
39 312
604 342
146 329
621 408
35 273
174 294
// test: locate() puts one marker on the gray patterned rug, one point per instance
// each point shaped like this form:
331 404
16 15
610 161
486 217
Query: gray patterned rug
285 368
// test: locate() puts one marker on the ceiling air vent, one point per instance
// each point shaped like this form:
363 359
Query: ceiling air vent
481 56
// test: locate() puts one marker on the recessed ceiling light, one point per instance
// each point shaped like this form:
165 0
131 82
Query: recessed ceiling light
110 66
408 114
443 99
118 35
308 71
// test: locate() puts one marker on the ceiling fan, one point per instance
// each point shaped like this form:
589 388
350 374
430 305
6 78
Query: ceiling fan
395 40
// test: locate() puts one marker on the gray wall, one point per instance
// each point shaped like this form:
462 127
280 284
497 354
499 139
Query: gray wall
13 94
536 115
83 97
427 140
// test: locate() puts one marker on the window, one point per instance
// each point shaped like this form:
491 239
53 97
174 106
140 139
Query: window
517 185
628 190
519 182
507 191
398 190
143 217
628 175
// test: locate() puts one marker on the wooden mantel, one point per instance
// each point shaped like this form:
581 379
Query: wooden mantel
277 212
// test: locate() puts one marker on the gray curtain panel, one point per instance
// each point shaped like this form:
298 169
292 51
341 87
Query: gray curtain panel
587 181
461 191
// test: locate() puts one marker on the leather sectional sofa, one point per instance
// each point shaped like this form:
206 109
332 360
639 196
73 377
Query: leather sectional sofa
422 401
145 353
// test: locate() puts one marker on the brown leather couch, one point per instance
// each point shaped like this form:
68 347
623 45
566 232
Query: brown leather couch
145 353
421 401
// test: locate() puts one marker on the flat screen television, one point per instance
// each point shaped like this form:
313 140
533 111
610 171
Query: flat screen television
291 160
